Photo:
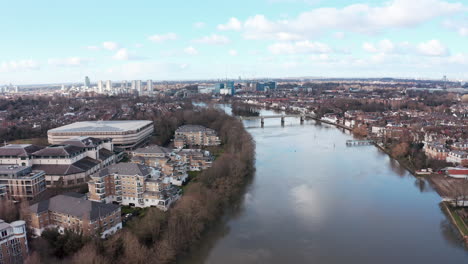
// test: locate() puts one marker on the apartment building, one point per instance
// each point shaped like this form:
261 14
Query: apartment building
132 184
13 242
166 160
21 182
152 155
72 211
196 159
65 164
195 135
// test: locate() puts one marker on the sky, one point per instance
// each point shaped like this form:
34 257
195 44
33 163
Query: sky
64 41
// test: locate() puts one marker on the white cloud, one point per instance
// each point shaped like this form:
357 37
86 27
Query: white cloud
191 50
459 58
339 35
213 40
233 52
110 45
461 26
383 46
93 48
163 37
285 36
432 48
199 25
125 54
18 65
361 18
386 46
70 62
299 47
233 24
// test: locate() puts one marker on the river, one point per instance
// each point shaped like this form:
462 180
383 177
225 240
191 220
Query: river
315 200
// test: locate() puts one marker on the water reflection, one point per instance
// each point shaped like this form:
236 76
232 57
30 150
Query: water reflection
314 200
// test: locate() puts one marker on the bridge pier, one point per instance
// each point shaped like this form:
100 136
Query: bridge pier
302 120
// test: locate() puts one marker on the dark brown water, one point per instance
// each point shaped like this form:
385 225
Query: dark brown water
314 200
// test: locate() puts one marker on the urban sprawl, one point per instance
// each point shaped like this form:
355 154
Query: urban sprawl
82 156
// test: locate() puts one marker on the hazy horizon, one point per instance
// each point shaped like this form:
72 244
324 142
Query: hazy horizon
64 42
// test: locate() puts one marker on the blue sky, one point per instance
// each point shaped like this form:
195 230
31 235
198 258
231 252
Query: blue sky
63 41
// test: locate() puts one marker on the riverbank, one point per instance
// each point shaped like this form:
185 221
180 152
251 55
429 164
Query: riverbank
444 187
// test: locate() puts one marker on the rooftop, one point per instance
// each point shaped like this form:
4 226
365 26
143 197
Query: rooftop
193 128
75 206
155 149
102 126
129 169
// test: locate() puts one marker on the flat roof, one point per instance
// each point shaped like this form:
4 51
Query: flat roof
102 126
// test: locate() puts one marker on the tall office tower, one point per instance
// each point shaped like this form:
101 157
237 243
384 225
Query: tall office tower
109 85
100 87
87 82
133 85
138 86
149 86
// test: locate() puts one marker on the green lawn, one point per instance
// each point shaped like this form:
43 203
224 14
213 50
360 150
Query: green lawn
460 223
136 211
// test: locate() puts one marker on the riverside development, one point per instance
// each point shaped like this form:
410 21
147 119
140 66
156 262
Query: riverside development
300 172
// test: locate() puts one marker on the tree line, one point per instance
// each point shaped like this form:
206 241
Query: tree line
160 237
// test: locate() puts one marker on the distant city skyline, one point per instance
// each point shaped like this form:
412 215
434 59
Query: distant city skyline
64 42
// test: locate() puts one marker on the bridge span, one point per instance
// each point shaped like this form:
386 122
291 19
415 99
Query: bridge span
262 118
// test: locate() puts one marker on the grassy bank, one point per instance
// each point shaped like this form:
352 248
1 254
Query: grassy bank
456 220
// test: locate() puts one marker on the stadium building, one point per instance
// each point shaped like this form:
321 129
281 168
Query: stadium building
125 134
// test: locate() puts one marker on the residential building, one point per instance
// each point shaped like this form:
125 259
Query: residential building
18 154
457 157
195 135
196 159
109 85
436 151
152 155
149 86
72 211
166 160
132 184
463 145
65 164
125 134
13 242
21 182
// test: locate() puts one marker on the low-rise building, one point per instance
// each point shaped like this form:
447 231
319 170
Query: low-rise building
458 157
72 211
463 145
195 135
196 159
21 182
65 164
436 151
13 242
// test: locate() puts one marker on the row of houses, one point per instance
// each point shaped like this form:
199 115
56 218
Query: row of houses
65 164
